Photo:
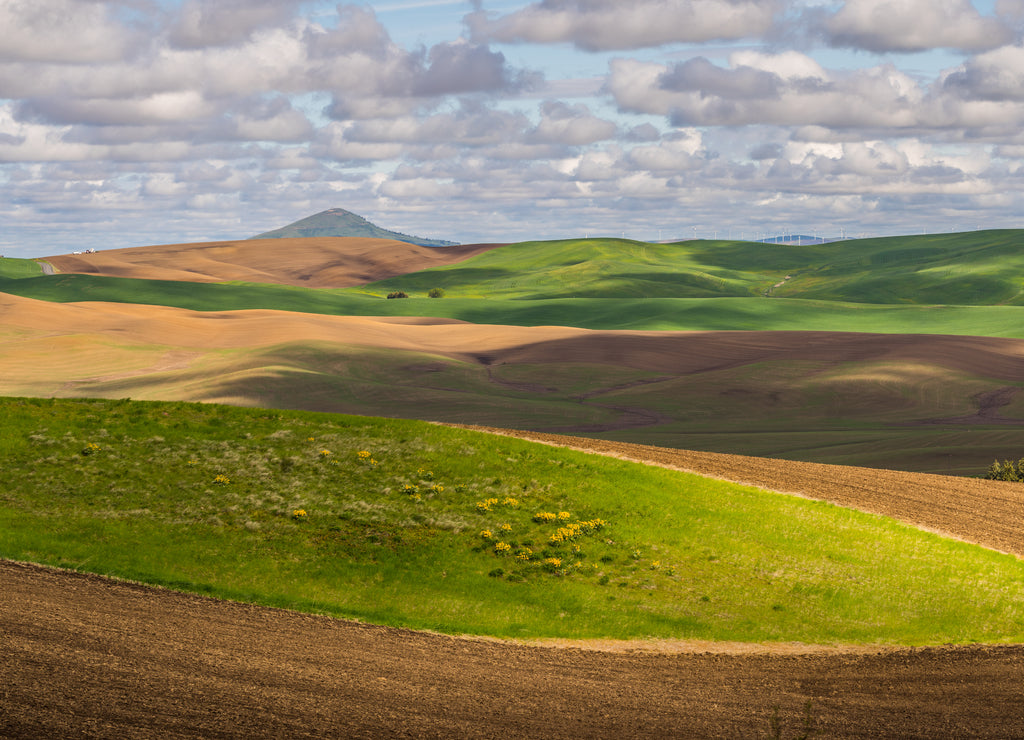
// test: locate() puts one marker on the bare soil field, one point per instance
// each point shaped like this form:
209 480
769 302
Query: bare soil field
86 656
324 262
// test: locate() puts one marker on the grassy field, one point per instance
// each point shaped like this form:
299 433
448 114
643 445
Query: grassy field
656 314
404 523
974 268
12 268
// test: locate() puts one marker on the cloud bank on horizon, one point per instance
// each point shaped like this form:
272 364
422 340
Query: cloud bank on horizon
131 122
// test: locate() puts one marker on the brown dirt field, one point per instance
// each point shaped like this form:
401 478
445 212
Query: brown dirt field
95 658
85 656
318 262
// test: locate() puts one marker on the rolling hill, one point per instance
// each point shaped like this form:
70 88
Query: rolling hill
910 395
320 262
975 268
353 516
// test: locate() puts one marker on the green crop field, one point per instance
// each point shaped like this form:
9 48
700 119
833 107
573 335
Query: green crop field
405 523
968 284
976 268
11 268
658 314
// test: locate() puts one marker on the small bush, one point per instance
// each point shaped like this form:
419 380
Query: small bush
436 293
398 294
1006 470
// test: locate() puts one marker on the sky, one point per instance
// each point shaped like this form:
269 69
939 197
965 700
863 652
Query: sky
136 122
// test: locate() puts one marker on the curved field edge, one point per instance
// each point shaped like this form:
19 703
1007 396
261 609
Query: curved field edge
409 524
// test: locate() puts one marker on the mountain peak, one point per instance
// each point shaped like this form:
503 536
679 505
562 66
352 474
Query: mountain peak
340 222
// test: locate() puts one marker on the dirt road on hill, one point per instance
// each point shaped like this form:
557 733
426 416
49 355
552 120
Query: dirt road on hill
84 656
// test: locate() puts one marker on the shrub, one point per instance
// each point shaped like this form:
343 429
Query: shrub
436 293
1006 470
398 294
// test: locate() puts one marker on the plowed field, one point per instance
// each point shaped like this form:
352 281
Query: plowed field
84 656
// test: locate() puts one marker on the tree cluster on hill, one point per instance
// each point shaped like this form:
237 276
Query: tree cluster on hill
1006 470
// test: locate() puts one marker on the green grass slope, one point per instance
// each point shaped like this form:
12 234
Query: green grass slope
588 268
13 268
411 524
663 314
974 268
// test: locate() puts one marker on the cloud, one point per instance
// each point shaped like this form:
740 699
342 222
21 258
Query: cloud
62 31
226 22
571 125
163 107
472 126
459 68
681 152
149 120
913 25
994 76
980 100
698 74
604 25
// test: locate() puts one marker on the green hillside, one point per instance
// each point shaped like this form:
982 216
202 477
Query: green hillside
975 268
411 524
339 222
983 268
659 314
18 268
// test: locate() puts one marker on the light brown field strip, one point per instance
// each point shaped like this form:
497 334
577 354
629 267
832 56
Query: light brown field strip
314 262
